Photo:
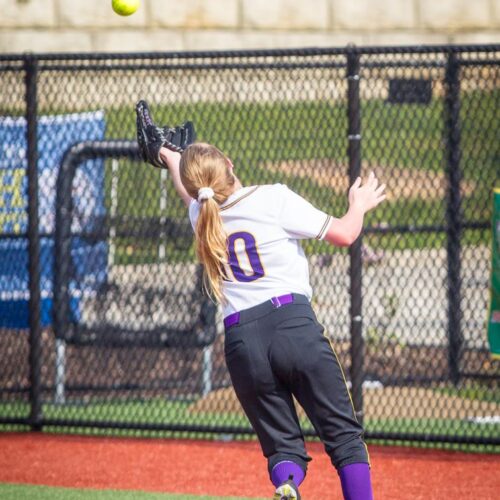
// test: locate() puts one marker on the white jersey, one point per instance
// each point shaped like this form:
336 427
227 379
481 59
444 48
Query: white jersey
264 224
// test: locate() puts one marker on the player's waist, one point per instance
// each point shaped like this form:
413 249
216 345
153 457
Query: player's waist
255 312
240 296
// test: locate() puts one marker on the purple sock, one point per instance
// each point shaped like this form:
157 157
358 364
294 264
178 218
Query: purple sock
283 470
356 482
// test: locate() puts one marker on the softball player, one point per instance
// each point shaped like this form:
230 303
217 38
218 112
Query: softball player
247 238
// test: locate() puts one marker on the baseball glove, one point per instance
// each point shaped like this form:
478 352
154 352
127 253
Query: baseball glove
152 138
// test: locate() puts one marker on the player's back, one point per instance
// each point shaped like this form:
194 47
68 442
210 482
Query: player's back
264 224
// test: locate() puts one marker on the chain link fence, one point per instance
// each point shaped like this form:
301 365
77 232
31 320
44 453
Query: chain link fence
103 324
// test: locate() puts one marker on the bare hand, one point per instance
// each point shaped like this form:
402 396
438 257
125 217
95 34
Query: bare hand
169 157
368 195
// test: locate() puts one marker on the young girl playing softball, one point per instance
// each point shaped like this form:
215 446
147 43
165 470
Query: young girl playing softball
247 239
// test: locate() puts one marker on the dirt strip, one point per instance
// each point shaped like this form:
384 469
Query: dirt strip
234 468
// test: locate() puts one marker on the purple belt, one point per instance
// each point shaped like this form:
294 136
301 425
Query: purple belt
234 318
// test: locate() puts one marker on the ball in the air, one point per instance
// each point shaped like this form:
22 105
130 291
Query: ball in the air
125 7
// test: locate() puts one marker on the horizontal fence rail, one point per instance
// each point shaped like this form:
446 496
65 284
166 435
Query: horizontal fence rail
103 321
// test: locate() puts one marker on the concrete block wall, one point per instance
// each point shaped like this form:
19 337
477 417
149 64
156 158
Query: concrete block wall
91 25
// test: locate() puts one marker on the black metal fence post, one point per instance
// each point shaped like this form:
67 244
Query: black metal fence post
355 270
453 213
31 66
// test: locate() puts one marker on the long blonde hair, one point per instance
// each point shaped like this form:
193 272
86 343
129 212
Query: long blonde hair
203 165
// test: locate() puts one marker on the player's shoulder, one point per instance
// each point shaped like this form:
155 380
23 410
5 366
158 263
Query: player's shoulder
271 194
276 189
277 197
278 192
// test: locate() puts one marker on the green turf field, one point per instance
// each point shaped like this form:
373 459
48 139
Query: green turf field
29 492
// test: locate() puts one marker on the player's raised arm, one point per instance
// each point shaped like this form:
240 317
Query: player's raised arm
362 198
172 160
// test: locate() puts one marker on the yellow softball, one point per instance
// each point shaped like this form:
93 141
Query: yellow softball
125 7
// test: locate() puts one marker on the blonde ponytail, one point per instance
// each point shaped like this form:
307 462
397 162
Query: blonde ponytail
211 247
204 167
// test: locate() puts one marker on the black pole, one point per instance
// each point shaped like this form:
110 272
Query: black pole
453 213
62 246
355 270
35 352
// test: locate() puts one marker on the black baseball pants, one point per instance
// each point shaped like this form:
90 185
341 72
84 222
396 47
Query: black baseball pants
274 353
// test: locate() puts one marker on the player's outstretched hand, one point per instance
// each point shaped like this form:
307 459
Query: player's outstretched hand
366 195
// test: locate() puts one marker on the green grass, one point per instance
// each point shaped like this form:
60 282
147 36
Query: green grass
474 391
151 411
31 492
252 134
428 426
160 411
408 135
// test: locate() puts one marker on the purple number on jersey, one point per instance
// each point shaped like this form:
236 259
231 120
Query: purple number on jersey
252 254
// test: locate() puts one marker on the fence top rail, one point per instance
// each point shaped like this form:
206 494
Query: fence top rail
299 52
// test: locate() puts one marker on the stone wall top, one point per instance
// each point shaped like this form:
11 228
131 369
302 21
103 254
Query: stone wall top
91 25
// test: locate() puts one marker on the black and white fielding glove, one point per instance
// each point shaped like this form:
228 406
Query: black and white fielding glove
152 138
